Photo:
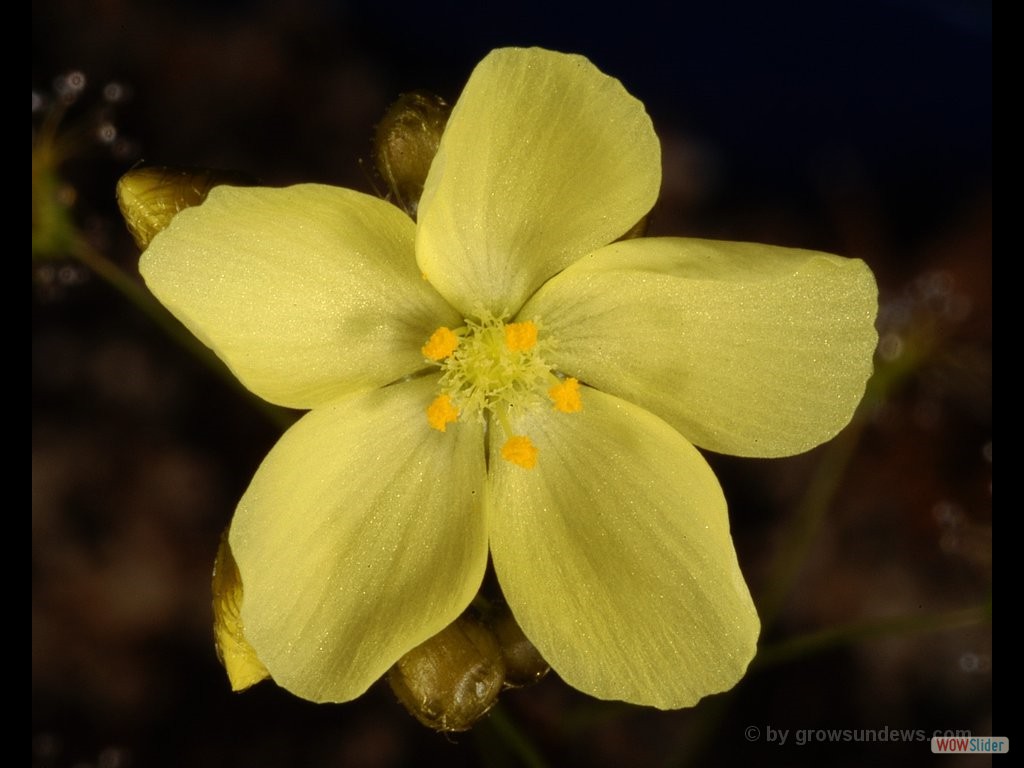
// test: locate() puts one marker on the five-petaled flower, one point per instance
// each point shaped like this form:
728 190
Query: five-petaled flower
505 376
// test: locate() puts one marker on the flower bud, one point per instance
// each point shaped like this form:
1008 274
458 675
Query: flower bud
150 197
406 142
523 663
238 657
453 679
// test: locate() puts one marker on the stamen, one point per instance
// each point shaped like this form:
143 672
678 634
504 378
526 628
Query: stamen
520 337
441 413
441 344
521 451
566 396
489 369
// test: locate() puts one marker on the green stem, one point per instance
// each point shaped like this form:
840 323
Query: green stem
816 642
712 711
144 301
829 473
803 529
507 732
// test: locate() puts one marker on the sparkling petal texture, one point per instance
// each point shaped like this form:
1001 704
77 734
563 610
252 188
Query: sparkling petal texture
361 535
543 160
615 556
307 292
746 349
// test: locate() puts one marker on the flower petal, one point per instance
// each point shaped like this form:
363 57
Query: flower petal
746 349
306 293
361 535
543 160
615 556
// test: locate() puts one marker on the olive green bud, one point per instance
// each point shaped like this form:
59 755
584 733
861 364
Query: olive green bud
523 663
238 657
150 197
453 679
405 143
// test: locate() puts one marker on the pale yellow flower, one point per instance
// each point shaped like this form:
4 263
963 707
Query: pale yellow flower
504 378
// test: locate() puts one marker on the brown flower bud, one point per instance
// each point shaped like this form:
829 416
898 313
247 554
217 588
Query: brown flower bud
406 142
523 663
453 679
238 657
150 197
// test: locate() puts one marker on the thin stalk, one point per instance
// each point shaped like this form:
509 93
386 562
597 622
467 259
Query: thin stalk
144 301
825 639
828 476
502 726
806 522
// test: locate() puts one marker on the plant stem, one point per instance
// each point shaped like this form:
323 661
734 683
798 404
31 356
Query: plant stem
507 732
832 637
803 529
144 301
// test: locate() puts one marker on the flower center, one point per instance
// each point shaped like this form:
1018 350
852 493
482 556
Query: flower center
497 369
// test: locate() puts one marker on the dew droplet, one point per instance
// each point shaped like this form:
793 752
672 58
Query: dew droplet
106 132
69 86
114 92
890 346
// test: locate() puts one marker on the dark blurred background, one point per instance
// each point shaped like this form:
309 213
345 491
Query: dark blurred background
860 128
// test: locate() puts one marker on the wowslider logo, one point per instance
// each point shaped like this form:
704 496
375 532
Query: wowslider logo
980 745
